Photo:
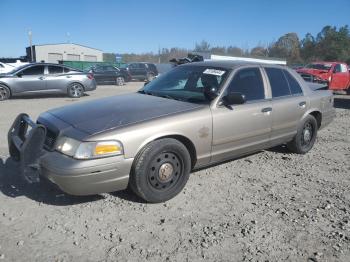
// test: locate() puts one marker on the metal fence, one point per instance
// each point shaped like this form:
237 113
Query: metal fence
83 65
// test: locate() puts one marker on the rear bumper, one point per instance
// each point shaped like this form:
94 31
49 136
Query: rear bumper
91 85
76 177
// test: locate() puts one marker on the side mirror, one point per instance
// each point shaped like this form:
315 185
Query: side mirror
20 74
233 98
146 83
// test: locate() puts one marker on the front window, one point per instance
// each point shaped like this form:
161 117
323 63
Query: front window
34 70
188 83
325 67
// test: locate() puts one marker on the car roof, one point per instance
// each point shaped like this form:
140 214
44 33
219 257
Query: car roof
230 64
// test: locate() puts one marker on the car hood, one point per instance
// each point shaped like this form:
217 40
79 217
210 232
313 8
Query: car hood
114 112
315 72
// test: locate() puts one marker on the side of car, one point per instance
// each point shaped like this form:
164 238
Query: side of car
47 78
108 74
142 71
259 107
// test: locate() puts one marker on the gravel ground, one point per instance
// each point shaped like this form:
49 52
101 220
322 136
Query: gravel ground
269 206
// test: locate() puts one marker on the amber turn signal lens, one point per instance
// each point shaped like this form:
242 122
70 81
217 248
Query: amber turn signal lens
106 149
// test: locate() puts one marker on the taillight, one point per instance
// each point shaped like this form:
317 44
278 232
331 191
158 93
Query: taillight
90 76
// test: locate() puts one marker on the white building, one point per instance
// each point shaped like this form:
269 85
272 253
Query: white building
52 53
249 59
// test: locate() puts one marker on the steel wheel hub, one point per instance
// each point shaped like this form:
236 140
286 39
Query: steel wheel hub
165 172
307 133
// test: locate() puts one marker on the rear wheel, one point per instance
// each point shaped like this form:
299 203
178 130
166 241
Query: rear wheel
161 170
305 138
75 90
119 81
5 93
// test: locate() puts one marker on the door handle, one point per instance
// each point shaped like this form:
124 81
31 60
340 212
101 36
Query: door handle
266 109
302 104
68 76
41 78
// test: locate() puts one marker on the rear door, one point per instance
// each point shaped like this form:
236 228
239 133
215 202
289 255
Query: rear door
111 74
340 77
100 75
133 70
288 104
30 79
56 79
243 128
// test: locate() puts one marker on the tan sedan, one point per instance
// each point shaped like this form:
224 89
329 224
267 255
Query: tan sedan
191 117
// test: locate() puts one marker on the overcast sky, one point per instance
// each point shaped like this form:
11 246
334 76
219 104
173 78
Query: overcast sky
143 26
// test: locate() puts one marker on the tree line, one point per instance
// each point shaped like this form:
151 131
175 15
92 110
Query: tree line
331 44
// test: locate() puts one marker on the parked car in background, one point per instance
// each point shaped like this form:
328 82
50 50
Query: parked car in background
336 74
5 68
42 77
109 75
142 71
191 117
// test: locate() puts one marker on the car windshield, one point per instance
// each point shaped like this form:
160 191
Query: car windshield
326 67
188 83
13 71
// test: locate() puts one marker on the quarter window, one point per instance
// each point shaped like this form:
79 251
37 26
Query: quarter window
278 82
34 70
293 83
249 83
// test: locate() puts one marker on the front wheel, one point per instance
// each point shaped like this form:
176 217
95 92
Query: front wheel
119 81
161 170
305 138
75 90
4 93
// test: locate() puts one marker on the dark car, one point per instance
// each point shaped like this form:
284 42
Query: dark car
108 74
142 71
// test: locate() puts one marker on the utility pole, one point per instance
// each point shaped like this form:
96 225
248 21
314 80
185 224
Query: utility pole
30 34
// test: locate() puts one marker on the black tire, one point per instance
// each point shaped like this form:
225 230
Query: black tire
150 77
120 81
305 138
160 170
5 93
75 90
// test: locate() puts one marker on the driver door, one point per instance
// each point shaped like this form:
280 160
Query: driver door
240 129
31 79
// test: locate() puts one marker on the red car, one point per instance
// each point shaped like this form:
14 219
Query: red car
336 74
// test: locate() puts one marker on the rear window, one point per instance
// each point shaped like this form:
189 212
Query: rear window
278 82
55 69
294 86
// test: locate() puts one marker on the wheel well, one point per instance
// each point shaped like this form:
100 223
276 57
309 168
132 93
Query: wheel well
2 84
76 83
318 116
188 144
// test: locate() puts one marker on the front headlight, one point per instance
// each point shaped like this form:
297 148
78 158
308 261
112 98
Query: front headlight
88 150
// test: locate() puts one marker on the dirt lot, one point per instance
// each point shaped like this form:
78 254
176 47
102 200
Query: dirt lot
270 206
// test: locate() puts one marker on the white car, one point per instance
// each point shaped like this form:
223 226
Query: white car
5 68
